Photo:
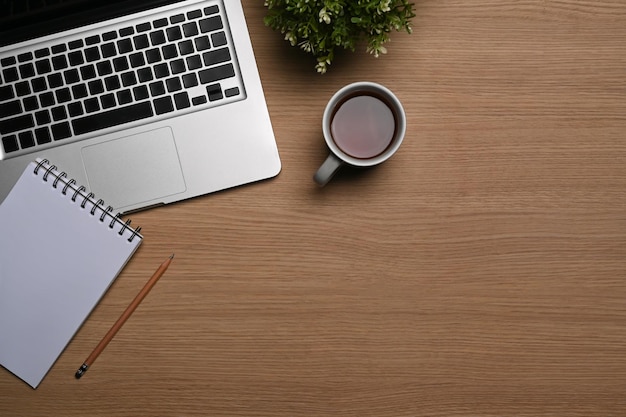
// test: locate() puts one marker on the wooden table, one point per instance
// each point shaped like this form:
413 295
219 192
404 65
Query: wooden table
479 272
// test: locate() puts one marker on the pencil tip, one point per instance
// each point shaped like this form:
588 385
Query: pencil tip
81 371
172 256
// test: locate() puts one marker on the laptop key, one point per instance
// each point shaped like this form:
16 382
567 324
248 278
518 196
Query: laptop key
39 84
91 105
43 66
185 47
194 62
211 24
140 92
10 108
42 134
10 143
173 33
57 49
231 92
194 14
215 57
46 99
190 29
42 117
109 36
216 73
108 50
21 89
112 82
61 131
157 38
214 92
95 87
63 95
124 45
43 52
153 55
163 105
182 100
177 66
161 70
27 139
76 58
169 51
177 18
104 68
58 113
129 79
114 117
202 43
127 31
173 84
59 62
92 54
159 23
16 124
75 109
31 103
218 39
88 72
10 74
141 41
27 70
75 44
198 101
55 80
107 101
145 74
80 91
25 57
190 80
143 27
136 60
5 62
71 76
124 96
92 40
157 88
211 10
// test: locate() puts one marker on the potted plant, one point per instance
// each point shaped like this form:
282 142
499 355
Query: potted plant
320 26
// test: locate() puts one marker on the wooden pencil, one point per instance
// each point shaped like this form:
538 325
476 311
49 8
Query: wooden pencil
125 315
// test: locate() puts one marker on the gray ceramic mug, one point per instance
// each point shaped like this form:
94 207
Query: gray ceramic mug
363 124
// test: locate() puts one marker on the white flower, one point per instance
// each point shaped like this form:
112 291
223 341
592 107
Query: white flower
384 6
289 36
324 16
322 65
306 46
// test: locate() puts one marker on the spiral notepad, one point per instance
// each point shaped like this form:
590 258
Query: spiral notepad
60 250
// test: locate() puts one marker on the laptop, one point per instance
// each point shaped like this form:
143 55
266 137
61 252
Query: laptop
143 102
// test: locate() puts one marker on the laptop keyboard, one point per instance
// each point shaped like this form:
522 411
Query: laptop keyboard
156 68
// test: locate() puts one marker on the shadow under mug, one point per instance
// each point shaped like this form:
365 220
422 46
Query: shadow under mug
369 123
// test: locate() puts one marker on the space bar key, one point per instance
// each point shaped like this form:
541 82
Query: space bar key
112 118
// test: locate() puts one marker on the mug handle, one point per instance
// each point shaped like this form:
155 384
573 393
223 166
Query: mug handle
327 169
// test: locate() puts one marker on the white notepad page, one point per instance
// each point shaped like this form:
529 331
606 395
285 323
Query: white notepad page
57 259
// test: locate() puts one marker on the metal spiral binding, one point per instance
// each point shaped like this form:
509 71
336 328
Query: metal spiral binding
50 170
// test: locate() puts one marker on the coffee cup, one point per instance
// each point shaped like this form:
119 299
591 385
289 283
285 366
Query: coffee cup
363 125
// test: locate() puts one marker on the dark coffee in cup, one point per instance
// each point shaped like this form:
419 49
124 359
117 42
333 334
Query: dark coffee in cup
363 125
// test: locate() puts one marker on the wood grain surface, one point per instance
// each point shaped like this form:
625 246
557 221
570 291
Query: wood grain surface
479 272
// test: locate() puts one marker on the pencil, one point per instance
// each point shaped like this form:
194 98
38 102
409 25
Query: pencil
125 315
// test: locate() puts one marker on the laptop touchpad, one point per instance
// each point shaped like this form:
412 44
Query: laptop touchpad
135 169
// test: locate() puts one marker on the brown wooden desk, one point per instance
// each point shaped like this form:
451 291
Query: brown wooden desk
480 272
